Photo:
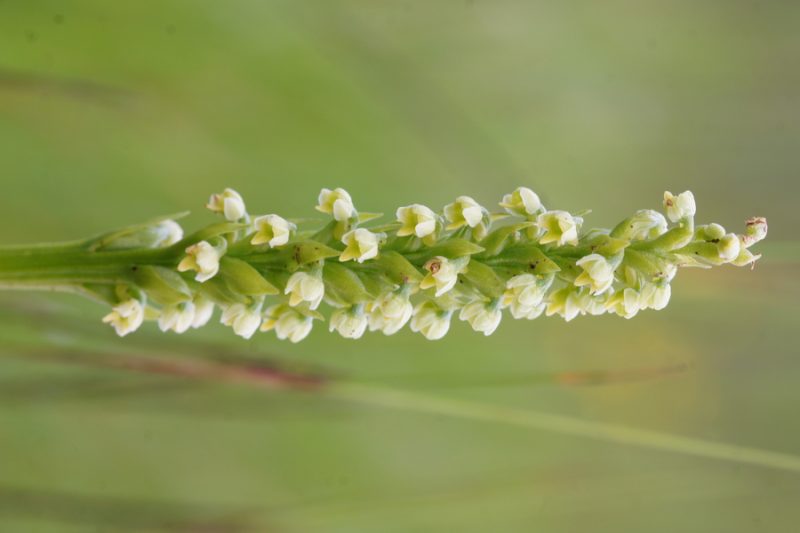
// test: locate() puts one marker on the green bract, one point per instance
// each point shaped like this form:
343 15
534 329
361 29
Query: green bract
269 273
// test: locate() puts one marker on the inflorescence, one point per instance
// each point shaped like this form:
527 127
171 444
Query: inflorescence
269 273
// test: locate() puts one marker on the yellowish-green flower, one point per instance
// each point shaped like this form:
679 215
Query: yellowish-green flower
625 303
679 207
442 274
483 317
646 224
390 312
351 323
416 219
360 245
524 295
566 302
464 212
273 230
287 322
126 317
559 227
229 203
522 202
245 320
203 258
430 320
305 287
597 273
338 203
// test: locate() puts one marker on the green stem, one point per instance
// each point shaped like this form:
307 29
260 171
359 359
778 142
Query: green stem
61 265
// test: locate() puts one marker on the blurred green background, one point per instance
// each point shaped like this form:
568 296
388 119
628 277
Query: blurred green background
116 112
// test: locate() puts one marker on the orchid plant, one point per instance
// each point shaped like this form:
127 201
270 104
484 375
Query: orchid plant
271 273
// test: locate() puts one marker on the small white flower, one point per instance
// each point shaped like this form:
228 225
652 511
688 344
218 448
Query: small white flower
755 231
244 319
177 317
655 296
646 224
442 274
430 320
416 220
336 202
272 230
202 258
360 244
729 247
126 317
625 303
390 312
230 203
679 207
559 227
305 287
350 323
203 310
597 273
566 302
482 317
464 211
524 294
287 322
522 202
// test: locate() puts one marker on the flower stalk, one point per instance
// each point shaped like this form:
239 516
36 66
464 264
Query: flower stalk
422 269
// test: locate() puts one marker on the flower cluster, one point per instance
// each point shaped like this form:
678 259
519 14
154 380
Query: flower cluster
422 269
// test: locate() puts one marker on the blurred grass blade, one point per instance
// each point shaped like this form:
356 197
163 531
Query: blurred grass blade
565 425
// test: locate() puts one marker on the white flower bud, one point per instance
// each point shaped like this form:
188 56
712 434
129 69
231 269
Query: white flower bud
336 202
203 310
350 323
390 312
245 320
272 230
522 202
287 323
430 320
559 227
442 274
464 211
305 287
646 224
597 273
679 207
482 317
203 259
360 244
126 317
177 317
416 220
729 247
230 203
